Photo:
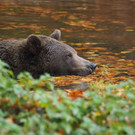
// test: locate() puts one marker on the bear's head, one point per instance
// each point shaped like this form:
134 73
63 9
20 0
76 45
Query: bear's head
48 54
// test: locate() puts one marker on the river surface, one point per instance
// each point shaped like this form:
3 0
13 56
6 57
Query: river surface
102 31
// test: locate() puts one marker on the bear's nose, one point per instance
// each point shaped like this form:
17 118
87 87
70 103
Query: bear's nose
92 67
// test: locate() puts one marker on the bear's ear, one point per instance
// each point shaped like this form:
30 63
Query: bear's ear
56 35
33 44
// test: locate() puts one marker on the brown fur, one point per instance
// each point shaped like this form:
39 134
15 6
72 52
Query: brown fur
39 54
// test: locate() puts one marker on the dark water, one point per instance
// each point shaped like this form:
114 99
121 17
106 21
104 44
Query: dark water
102 31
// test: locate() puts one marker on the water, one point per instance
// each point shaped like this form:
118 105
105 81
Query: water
100 30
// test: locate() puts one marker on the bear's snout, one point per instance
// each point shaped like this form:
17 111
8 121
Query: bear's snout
92 67
82 66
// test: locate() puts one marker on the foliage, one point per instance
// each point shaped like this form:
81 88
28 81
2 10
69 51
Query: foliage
26 107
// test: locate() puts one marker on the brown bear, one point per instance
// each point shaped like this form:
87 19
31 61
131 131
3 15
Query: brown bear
39 54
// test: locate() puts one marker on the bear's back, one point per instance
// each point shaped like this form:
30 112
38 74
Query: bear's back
5 47
7 43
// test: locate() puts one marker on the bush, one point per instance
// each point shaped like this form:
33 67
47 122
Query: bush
33 107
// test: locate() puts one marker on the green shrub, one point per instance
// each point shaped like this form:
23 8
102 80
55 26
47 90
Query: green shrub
26 108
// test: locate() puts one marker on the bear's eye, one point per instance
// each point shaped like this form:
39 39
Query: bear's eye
69 55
